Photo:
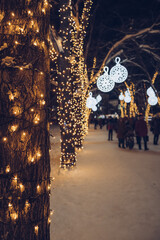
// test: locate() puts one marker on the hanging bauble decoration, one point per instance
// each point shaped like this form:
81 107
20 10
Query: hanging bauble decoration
118 73
121 97
150 92
104 82
127 97
92 102
152 100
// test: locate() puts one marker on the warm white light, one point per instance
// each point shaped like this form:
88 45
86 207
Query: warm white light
4 139
36 229
8 169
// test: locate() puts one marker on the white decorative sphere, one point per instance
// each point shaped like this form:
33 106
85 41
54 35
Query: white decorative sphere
121 97
91 101
118 73
104 82
98 98
94 108
127 99
150 92
152 100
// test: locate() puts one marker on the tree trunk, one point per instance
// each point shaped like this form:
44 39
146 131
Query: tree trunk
24 136
65 91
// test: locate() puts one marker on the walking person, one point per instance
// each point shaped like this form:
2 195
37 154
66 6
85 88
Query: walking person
129 134
141 132
95 122
121 132
110 126
156 129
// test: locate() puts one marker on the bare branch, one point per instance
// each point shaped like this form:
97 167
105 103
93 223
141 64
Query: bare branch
117 44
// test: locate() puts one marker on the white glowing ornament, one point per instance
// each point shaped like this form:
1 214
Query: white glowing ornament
121 97
152 100
92 102
104 82
127 97
118 73
150 92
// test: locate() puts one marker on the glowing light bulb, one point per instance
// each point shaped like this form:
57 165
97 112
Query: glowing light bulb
36 229
21 187
9 205
4 139
14 128
38 188
39 154
43 102
8 169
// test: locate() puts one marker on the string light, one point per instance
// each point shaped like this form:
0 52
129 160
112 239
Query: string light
20 135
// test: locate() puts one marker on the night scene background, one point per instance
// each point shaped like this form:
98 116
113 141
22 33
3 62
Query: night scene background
79 119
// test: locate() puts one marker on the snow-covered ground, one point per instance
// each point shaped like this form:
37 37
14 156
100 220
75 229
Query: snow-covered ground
112 194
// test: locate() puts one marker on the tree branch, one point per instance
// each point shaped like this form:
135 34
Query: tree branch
117 44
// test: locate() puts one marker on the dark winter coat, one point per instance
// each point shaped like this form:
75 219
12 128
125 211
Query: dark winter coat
121 129
110 125
156 126
141 128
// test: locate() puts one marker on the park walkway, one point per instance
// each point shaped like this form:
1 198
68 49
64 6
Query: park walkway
112 194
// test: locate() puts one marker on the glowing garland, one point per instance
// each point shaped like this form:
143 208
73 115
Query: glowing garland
24 121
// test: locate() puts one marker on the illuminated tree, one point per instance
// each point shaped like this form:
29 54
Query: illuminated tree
72 76
24 137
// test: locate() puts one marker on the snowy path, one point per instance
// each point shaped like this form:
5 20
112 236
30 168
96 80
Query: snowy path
113 194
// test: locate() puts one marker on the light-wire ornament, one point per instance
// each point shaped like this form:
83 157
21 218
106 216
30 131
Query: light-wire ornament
127 97
118 73
121 97
104 82
92 102
152 99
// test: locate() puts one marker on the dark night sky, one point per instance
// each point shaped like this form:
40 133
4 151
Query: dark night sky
116 18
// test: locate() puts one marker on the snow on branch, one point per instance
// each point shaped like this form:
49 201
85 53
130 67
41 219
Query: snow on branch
118 43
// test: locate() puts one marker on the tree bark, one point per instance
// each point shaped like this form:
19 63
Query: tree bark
24 136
